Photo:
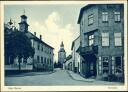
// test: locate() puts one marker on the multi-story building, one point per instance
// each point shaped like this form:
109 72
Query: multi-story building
102 40
61 55
75 55
43 57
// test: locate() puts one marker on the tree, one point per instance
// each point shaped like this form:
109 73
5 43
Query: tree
19 45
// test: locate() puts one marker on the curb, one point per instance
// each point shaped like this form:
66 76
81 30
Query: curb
30 74
77 79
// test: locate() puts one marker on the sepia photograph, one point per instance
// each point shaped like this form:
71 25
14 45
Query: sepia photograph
63 45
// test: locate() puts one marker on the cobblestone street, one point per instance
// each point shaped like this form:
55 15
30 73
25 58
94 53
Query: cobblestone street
56 78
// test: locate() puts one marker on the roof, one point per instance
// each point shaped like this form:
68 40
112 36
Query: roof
31 36
62 50
88 6
82 10
73 42
62 45
68 58
24 16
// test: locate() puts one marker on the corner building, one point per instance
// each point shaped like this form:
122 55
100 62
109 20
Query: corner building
101 40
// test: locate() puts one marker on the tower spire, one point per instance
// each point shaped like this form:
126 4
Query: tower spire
24 12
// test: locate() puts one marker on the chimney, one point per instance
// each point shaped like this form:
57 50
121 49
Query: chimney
40 37
35 33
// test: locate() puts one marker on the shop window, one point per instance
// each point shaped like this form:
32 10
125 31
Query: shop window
118 63
105 65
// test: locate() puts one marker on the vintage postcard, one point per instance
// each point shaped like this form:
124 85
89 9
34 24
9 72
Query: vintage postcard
63 46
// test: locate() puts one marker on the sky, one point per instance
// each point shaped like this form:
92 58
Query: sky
56 23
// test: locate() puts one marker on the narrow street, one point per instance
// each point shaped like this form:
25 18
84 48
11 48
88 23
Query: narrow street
59 77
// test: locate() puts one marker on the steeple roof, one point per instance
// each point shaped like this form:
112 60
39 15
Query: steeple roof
24 16
62 45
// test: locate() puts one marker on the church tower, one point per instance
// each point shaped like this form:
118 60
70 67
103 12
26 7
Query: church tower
23 25
61 55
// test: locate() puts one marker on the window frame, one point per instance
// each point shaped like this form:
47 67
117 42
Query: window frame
90 18
117 38
104 16
38 46
92 39
117 16
105 37
103 64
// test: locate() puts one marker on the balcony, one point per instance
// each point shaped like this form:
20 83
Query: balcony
89 50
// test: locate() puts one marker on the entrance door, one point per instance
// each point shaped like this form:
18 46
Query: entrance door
91 64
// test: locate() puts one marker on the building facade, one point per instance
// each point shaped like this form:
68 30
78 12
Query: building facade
75 55
61 56
43 57
102 40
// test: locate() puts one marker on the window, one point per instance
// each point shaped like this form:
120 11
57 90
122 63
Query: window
38 59
90 19
42 60
45 60
105 39
117 16
38 46
105 65
91 39
32 41
113 64
50 51
91 66
118 62
48 61
118 41
42 48
105 16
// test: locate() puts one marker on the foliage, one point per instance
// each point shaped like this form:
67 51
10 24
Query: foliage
17 44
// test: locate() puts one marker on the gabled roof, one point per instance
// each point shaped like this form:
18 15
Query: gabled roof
31 36
73 42
82 10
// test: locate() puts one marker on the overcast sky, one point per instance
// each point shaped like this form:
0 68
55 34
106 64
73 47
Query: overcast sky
56 23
